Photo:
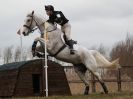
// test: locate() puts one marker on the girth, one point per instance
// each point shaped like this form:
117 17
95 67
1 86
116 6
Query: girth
53 55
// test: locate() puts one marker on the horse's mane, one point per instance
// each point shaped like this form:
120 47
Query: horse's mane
39 16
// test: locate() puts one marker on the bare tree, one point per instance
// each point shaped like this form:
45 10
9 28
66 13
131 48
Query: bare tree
29 53
124 51
102 49
8 53
24 54
17 54
11 54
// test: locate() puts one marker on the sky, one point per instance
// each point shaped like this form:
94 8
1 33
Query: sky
93 22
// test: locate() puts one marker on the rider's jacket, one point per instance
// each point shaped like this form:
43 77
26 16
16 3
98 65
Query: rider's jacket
58 17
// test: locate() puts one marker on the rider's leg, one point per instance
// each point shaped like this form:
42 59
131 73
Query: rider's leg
66 28
70 43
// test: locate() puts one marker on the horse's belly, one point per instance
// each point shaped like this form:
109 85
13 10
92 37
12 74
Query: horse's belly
67 57
74 59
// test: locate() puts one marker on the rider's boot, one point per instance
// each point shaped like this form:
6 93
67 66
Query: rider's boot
70 43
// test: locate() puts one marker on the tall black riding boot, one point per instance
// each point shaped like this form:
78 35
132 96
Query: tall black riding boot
70 43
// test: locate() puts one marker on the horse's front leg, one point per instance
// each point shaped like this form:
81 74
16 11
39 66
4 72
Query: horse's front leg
36 50
41 40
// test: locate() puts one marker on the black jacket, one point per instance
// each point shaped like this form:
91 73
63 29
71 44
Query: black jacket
58 17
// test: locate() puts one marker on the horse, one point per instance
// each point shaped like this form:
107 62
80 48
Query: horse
82 60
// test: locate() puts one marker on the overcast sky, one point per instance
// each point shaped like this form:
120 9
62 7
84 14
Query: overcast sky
93 22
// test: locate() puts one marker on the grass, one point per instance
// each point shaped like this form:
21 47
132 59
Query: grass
121 95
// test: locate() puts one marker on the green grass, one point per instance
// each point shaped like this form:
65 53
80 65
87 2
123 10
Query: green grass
121 95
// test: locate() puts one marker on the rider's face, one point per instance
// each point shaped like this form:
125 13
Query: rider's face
48 12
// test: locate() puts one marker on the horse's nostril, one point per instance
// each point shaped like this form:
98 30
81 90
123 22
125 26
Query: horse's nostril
23 33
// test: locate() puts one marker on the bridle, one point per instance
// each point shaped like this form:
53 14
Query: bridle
30 30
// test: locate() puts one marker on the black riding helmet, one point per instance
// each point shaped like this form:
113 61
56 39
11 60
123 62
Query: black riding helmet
49 7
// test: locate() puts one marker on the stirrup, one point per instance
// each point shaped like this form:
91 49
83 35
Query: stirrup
74 42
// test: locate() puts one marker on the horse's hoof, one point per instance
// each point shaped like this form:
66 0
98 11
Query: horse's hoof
101 92
106 93
86 93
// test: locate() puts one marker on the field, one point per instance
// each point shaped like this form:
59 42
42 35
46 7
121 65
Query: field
121 95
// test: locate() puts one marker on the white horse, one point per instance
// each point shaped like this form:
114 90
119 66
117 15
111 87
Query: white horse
83 59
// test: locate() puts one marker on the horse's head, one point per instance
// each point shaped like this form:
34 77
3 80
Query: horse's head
30 23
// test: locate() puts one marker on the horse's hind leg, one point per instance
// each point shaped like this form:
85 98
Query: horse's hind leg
81 74
91 65
97 75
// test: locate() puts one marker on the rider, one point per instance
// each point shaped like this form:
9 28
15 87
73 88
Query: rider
59 18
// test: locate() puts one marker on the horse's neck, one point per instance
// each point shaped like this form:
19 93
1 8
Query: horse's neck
55 41
47 26
54 34
40 22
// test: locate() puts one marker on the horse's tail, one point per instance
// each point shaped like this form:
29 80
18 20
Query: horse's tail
115 64
102 62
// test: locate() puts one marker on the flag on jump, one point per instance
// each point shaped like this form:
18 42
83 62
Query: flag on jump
18 32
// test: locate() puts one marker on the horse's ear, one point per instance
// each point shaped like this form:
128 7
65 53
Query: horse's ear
32 12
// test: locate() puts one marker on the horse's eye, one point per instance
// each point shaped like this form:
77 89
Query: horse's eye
28 20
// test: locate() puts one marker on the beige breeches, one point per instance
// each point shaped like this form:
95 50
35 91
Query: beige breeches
66 28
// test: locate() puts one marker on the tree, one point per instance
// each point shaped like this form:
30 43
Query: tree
8 53
24 54
17 54
29 53
102 49
124 51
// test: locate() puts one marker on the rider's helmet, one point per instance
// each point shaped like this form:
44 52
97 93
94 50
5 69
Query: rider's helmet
49 7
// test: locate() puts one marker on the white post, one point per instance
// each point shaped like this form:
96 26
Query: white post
46 66
21 47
